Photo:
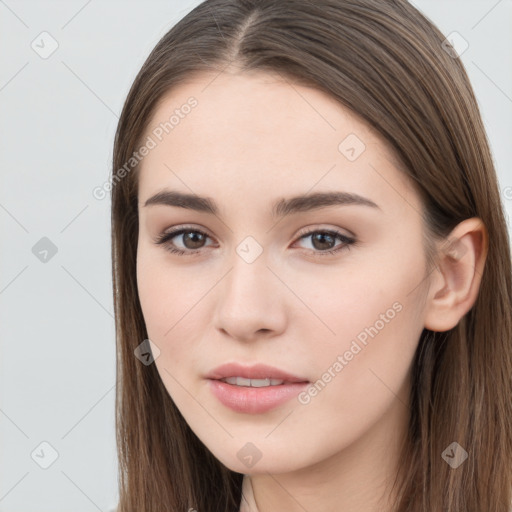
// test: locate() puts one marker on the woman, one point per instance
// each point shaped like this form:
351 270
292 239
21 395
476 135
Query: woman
311 268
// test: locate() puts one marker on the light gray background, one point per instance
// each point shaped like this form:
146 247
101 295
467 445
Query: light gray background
56 129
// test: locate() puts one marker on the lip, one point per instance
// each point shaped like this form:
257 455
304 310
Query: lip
254 400
256 371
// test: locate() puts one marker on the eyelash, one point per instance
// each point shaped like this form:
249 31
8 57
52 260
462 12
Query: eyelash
166 237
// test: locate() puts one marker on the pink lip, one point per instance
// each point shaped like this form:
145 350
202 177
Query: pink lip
249 399
257 371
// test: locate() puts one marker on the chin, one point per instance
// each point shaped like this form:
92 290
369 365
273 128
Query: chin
246 458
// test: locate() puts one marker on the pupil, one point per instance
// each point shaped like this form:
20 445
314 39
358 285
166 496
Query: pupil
321 237
190 237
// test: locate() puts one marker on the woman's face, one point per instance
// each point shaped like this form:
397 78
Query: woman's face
257 285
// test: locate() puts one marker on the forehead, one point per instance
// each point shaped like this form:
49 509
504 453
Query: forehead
259 132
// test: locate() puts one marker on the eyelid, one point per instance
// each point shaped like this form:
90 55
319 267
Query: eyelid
177 227
165 237
318 227
178 230
303 231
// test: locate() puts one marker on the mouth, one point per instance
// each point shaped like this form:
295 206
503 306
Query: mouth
253 389
259 374
253 383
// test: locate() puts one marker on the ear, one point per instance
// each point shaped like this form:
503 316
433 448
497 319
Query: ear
456 280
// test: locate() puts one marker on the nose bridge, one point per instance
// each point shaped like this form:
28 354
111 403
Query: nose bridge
248 300
248 280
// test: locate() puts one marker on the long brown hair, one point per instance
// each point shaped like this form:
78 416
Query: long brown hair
385 61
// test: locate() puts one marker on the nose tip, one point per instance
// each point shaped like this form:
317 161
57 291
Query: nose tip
246 302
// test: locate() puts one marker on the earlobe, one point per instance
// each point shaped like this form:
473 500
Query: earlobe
455 282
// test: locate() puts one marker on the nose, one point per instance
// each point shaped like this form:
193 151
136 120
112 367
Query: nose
251 301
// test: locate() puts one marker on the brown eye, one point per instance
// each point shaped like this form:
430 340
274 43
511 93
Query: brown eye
323 241
192 240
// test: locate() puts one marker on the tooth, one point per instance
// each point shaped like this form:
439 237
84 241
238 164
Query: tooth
255 383
240 381
259 383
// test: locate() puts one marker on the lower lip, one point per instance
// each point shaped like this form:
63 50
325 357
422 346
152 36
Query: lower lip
254 400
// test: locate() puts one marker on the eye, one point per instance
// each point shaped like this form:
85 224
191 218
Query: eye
323 240
192 241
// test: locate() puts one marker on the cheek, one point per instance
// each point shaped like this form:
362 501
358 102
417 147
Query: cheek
163 295
172 303
359 382
346 300
374 321
165 299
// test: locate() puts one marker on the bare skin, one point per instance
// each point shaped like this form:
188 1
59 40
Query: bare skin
252 139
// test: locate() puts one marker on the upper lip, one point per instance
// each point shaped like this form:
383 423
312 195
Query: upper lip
256 371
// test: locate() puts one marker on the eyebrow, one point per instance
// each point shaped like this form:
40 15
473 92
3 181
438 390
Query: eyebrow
281 208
